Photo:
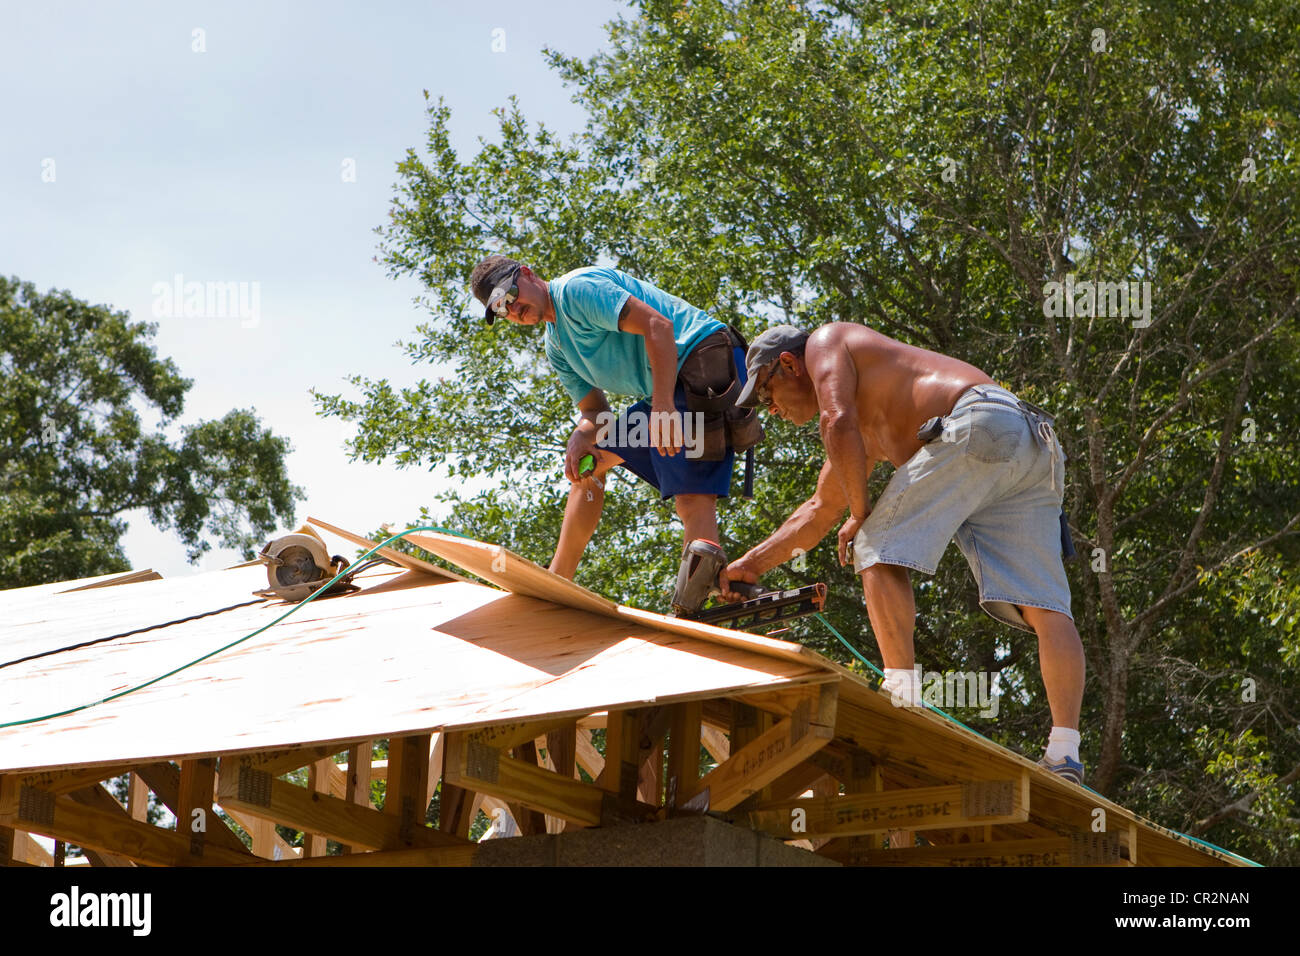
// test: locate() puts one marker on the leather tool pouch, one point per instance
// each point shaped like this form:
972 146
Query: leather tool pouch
931 430
712 384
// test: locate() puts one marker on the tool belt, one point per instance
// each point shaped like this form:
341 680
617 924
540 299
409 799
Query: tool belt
711 381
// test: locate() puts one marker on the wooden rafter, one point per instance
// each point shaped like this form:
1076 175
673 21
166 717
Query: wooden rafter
927 808
164 779
766 757
337 819
1080 850
63 818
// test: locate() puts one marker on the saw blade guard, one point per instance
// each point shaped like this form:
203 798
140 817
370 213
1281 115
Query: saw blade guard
297 565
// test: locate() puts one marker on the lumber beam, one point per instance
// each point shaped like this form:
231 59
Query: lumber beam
57 782
437 856
782 702
35 854
455 809
434 775
137 797
341 821
378 771
357 778
852 766
511 734
744 725
650 763
715 743
359 773
562 748
22 849
279 762
684 730
486 770
553 824
769 755
530 821
9 846
267 843
318 781
408 780
922 808
1085 849
588 757
164 779
622 742
194 813
63 818
97 796
482 769
792 784
717 713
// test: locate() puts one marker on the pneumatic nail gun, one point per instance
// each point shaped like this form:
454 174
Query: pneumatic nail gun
697 581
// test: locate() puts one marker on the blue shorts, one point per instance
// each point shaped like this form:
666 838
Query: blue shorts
678 474
994 482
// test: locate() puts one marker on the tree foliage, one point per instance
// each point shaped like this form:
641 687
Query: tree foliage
929 170
75 455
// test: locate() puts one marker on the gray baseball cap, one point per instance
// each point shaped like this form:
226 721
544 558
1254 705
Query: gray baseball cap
765 348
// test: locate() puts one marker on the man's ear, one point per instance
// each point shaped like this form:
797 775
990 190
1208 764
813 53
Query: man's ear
789 362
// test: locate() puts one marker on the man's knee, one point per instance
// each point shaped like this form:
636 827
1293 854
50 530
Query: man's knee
1041 618
695 504
878 574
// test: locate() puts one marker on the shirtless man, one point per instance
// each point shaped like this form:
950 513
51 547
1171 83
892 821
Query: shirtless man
993 476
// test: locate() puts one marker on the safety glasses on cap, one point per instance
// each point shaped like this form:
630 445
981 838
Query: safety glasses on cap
499 302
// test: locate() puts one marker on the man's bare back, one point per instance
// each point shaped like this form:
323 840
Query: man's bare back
899 387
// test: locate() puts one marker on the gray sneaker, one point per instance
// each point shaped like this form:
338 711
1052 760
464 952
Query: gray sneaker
1071 770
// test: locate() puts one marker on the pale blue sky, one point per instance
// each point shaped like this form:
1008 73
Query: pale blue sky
226 166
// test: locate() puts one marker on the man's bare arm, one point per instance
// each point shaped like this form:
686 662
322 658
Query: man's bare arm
805 527
661 348
799 533
835 377
583 440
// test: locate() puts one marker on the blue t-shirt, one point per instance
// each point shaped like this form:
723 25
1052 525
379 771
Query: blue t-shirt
584 344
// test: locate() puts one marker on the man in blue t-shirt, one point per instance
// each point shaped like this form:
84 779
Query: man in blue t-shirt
608 331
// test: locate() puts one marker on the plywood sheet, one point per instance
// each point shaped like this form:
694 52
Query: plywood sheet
37 623
392 554
507 570
376 663
518 575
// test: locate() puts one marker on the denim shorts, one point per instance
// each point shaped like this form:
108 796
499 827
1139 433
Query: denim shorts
678 474
994 481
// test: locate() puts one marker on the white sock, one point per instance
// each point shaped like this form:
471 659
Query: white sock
903 685
1062 742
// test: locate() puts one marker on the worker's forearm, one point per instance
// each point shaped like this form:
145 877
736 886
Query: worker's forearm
848 457
661 349
799 534
589 414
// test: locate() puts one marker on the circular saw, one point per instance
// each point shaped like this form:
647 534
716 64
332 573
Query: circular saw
297 566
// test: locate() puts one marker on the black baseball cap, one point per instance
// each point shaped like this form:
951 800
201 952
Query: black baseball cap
765 348
492 279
